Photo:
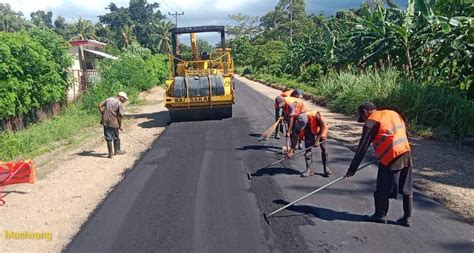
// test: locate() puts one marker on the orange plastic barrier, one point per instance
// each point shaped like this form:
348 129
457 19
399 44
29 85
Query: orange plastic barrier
15 173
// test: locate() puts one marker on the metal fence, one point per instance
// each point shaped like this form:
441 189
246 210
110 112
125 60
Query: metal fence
81 81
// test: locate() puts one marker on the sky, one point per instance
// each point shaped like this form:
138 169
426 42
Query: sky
196 12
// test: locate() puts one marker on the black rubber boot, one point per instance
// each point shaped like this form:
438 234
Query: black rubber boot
380 215
110 149
308 158
118 150
405 220
324 158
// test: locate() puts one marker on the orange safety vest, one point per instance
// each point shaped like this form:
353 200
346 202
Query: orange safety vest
287 93
284 94
312 121
391 140
291 100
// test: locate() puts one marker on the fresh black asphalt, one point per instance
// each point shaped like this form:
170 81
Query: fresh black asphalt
190 193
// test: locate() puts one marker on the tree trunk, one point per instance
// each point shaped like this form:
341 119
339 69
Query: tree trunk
410 67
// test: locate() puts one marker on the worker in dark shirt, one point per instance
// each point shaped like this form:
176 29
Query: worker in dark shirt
386 130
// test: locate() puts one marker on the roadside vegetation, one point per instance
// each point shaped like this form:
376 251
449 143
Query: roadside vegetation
34 72
417 60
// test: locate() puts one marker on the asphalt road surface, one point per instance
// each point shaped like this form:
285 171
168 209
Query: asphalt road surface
190 193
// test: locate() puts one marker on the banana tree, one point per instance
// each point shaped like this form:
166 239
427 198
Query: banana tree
384 35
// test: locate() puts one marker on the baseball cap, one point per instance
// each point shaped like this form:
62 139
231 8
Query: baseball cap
367 105
123 94
300 122
279 101
297 93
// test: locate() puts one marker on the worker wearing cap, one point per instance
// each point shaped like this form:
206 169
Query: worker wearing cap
312 126
291 107
386 130
112 111
279 109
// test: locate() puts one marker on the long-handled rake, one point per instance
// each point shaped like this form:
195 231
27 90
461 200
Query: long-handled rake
311 193
137 140
249 174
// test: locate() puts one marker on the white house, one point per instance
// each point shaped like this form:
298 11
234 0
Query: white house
84 67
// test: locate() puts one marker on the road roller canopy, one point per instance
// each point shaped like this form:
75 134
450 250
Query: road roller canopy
196 29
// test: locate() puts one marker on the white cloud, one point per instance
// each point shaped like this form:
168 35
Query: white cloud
28 6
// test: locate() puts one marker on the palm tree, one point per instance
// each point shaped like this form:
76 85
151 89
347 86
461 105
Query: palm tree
83 29
128 35
163 36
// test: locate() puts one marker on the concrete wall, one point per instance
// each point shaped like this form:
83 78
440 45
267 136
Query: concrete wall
34 116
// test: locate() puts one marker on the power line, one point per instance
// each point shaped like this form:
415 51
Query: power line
176 6
176 14
167 5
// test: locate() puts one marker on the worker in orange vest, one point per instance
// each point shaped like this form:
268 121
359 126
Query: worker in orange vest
279 109
313 128
291 107
386 130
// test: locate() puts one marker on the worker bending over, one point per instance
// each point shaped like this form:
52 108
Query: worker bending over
279 110
313 128
386 130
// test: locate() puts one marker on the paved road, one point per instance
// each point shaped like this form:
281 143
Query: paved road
190 193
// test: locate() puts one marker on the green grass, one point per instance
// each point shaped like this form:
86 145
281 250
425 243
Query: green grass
43 137
430 110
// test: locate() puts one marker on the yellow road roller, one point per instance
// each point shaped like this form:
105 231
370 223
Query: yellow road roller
200 85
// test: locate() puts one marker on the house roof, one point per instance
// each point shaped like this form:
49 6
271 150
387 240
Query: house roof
99 53
94 43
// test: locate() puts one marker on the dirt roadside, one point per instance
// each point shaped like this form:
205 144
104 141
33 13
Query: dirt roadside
73 181
443 171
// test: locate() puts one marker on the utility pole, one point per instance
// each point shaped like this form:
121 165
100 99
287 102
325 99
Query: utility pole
291 21
176 14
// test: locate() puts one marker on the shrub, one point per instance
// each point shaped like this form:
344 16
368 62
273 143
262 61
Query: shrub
247 71
269 57
311 73
31 71
427 105
136 69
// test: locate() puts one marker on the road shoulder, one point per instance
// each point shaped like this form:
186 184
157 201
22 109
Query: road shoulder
74 181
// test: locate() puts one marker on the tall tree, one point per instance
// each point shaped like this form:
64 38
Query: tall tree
287 22
11 20
162 36
60 26
83 29
128 37
42 18
140 16
246 26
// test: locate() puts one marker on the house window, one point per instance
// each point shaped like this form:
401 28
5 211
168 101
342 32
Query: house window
89 65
